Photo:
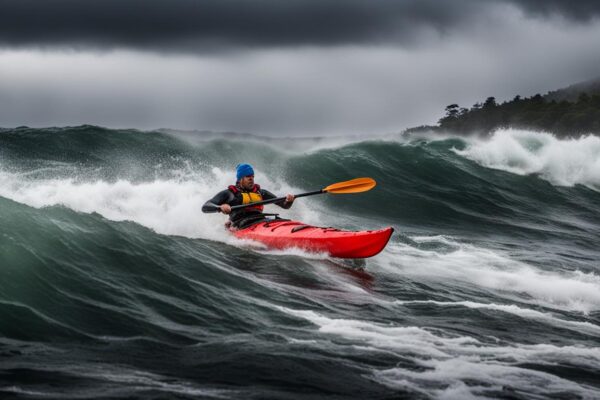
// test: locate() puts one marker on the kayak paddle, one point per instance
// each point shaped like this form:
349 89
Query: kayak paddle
357 185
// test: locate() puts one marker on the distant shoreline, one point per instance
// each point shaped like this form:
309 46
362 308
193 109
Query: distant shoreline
569 112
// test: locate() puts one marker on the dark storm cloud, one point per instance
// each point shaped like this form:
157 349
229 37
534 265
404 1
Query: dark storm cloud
578 10
189 24
196 25
205 24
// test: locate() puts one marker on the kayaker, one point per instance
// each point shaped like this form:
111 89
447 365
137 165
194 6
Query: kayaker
244 191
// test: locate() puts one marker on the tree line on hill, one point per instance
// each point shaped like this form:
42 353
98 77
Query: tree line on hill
563 118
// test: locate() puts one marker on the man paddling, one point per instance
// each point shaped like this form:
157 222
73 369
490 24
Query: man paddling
245 191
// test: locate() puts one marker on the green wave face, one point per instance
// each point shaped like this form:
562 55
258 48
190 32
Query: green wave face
114 284
421 182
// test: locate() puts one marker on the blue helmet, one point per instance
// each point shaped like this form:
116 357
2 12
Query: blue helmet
243 170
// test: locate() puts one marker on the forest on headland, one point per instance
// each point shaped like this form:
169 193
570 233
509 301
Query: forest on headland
569 112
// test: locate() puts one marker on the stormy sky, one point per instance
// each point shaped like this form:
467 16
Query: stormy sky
283 67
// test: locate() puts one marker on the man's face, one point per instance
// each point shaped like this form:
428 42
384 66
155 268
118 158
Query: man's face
247 182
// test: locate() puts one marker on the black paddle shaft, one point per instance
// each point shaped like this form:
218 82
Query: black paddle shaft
277 199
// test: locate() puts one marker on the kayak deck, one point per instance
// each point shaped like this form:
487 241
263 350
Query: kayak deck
337 243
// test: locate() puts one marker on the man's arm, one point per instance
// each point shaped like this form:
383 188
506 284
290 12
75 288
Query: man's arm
287 203
214 205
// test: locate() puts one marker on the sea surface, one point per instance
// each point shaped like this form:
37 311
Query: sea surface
114 284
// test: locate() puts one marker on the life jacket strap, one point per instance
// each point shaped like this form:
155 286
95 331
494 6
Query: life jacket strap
235 190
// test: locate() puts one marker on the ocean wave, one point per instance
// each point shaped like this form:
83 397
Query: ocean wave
487 269
437 363
563 162
527 313
170 207
104 248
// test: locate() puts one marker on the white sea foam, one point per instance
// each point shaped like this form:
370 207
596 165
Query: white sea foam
295 251
18 390
572 291
444 363
142 381
445 379
578 326
563 162
171 207
130 380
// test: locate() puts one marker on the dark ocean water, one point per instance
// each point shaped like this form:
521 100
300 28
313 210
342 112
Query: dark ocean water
113 284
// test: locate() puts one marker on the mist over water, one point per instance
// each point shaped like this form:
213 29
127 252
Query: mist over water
114 284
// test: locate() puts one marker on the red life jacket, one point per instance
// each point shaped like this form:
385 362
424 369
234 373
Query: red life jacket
252 196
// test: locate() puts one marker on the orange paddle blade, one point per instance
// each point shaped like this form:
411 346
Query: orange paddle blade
357 185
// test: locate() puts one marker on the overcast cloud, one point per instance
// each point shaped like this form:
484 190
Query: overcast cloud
276 67
209 25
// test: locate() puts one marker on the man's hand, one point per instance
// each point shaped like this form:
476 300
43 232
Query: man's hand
225 208
289 198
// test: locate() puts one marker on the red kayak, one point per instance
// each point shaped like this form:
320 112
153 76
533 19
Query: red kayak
335 242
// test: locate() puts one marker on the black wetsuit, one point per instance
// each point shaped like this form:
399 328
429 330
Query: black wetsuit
243 217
